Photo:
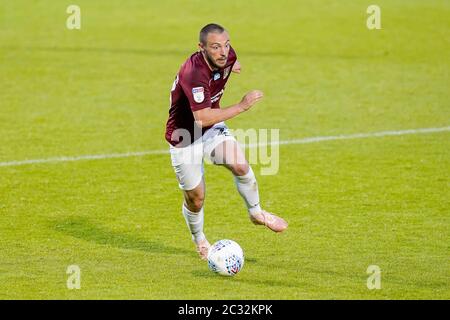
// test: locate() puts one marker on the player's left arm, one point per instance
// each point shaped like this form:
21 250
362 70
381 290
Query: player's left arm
236 67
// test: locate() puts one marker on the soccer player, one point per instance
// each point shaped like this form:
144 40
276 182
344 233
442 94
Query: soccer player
196 131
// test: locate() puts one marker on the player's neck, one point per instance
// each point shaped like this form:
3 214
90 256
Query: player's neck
207 62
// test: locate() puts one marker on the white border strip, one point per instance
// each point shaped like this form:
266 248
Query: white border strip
283 142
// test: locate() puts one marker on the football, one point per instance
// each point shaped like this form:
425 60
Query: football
226 258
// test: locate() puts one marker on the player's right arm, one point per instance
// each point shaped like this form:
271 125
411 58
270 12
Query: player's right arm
207 116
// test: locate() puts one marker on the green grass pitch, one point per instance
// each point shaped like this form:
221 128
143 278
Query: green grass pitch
104 89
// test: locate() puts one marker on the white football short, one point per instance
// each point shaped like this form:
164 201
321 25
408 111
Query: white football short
188 161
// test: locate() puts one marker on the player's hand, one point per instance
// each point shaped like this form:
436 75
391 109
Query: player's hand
236 67
250 99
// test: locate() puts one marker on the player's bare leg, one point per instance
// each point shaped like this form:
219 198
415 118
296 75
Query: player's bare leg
229 154
194 216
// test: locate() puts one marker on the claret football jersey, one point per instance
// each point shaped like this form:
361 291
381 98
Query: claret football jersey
195 87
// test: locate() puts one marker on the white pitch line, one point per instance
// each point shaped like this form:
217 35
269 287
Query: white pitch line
79 158
355 136
16 163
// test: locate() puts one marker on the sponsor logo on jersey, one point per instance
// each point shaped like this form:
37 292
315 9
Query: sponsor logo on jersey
226 72
199 94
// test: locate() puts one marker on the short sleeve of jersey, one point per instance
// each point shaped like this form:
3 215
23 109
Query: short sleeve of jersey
196 89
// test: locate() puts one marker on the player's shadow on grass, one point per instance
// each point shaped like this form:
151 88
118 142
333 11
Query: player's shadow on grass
82 229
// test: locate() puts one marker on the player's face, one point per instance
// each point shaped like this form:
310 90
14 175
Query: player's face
217 49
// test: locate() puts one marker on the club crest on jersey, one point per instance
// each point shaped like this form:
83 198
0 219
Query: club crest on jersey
226 72
199 94
216 76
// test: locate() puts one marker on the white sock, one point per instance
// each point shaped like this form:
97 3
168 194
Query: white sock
194 221
248 189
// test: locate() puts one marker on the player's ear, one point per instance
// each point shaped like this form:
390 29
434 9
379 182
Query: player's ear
201 47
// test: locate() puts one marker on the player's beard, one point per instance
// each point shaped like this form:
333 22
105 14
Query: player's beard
211 61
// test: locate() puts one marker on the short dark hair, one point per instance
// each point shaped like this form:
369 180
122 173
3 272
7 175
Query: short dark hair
209 28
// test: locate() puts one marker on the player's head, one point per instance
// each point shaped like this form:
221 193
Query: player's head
215 45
